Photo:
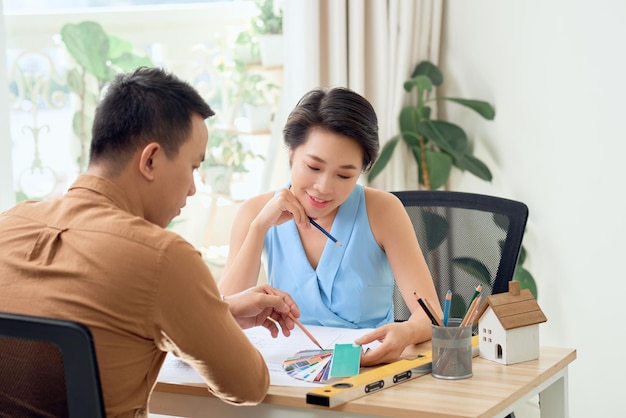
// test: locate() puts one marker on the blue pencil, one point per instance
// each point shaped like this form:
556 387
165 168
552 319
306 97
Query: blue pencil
333 239
446 308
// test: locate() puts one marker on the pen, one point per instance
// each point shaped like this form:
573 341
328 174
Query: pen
298 323
333 239
446 308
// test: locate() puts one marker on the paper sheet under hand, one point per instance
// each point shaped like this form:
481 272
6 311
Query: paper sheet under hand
274 351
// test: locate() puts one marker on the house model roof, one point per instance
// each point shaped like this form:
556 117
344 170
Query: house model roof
515 308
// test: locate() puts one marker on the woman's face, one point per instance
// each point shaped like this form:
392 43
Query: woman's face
324 171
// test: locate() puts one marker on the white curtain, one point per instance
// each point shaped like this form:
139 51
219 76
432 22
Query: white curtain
370 46
7 194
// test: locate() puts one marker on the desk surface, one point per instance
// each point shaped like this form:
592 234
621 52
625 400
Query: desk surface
492 389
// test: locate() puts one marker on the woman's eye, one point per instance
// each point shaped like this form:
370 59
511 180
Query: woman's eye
313 168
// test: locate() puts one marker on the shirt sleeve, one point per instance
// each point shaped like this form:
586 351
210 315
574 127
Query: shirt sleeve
194 323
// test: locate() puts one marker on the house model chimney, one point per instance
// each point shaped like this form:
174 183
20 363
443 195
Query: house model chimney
514 287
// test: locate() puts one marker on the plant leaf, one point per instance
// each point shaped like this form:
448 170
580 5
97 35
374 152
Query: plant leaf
474 268
421 82
475 166
88 44
436 228
481 107
430 70
439 167
409 121
383 158
447 136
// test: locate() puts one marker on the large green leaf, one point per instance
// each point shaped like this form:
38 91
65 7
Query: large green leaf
409 120
129 62
439 167
474 165
428 69
119 47
481 107
383 158
473 267
88 44
447 136
421 82
436 228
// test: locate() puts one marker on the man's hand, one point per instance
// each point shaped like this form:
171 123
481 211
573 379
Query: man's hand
266 306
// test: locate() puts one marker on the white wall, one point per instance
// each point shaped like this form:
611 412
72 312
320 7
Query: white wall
556 72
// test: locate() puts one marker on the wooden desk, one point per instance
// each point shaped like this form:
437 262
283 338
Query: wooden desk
494 391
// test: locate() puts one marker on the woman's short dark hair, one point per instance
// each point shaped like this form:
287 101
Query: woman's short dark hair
147 105
338 110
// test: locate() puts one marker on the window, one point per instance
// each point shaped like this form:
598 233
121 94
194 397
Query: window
190 38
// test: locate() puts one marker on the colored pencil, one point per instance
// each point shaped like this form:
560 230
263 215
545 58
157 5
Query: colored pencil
318 226
430 315
471 312
446 308
479 289
298 323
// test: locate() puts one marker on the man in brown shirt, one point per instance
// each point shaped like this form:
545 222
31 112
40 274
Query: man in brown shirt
100 254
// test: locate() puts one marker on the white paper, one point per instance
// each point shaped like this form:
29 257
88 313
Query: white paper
274 351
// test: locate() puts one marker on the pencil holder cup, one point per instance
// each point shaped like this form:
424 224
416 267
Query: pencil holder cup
452 350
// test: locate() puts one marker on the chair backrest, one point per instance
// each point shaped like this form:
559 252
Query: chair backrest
48 368
467 239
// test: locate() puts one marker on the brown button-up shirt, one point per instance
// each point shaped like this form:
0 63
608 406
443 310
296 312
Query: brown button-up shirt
142 290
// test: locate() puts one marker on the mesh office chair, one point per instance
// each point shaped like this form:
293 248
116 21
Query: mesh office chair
467 239
48 368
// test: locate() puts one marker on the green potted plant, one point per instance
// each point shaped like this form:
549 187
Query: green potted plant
99 57
438 145
245 91
267 25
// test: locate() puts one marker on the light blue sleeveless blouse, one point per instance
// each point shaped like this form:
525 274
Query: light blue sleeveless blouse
353 284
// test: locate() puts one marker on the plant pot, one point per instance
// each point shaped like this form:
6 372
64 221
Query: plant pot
271 49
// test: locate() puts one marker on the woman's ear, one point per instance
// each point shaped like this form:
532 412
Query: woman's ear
147 159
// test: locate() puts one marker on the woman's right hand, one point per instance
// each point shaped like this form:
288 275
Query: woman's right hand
283 206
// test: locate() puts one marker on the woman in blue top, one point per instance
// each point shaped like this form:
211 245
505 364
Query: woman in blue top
332 137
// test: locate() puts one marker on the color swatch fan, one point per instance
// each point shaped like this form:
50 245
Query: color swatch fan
320 366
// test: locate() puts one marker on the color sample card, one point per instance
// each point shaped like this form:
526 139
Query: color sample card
309 365
321 365
346 360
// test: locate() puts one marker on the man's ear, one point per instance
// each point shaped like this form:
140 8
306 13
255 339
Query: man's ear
147 160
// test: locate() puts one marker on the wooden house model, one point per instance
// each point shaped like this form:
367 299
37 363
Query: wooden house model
508 326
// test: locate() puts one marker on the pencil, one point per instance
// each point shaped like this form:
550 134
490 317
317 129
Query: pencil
318 226
430 315
479 289
431 309
306 331
446 308
471 312
299 324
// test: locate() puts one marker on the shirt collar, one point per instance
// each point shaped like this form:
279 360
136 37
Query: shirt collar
107 189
